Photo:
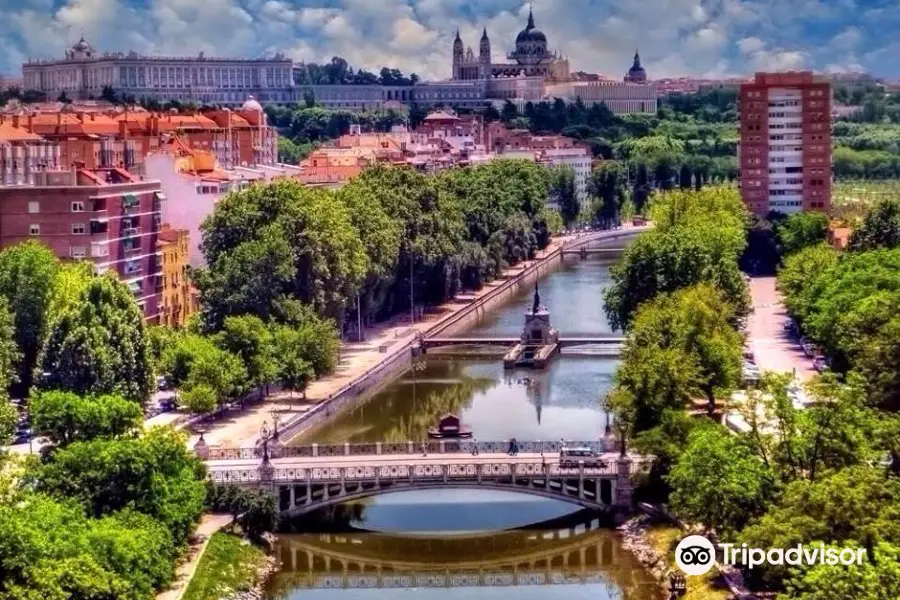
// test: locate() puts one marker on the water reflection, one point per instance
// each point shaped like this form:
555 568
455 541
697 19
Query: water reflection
573 294
575 548
561 402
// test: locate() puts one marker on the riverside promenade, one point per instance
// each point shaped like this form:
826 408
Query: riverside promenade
383 344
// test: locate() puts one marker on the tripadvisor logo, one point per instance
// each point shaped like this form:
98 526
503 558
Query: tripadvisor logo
696 555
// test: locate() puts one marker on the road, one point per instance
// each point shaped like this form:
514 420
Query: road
378 460
773 348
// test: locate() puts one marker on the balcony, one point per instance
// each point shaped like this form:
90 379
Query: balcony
130 231
130 204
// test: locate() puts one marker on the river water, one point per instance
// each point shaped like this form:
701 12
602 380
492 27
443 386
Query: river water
453 544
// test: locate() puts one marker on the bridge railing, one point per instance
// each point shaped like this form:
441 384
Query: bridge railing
420 473
409 447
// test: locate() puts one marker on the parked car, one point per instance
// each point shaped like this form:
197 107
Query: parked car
820 363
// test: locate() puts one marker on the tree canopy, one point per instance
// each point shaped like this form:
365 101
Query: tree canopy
97 344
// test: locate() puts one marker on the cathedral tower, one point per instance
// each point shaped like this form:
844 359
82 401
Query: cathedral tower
484 55
457 56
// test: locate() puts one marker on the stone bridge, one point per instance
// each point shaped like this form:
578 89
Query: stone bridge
306 483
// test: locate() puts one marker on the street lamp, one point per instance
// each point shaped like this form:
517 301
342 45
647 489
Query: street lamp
412 304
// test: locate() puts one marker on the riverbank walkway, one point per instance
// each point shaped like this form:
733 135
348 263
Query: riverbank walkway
773 347
383 341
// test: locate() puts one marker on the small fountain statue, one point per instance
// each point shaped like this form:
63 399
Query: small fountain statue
537 300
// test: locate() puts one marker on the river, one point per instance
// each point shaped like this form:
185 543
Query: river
440 544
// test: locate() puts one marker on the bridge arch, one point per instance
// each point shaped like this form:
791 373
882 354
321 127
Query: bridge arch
595 494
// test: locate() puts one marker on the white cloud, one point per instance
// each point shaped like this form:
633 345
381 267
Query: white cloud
750 45
848 38
675 37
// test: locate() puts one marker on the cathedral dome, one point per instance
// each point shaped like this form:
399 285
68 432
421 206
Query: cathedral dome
82 46
531 33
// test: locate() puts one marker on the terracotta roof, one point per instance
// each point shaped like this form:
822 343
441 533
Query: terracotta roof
16 134
441 116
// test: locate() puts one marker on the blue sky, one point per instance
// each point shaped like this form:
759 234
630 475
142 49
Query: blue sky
676 37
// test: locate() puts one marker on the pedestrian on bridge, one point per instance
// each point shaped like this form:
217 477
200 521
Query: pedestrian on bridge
424 449
474 447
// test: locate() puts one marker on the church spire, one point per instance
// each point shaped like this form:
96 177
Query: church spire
484 34
637 58
530 17
458 39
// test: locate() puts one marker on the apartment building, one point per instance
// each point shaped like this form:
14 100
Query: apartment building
179 300
106 216
784 154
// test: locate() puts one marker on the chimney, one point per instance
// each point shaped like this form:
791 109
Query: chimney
30 128
123 129
80 116
59 118
15 121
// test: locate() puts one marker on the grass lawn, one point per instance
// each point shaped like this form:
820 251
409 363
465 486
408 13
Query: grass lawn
663 539
228 565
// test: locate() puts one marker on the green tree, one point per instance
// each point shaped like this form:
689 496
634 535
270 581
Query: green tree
563 194
798 273
607 187
857 506
659 262
877 578
154 474
9 420
28 274
199 398
98 345
294 370
248 338
880 227
197 361
697 320
300 240
801 230
718 481
65 417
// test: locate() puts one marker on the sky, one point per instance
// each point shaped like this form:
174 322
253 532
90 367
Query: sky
706 38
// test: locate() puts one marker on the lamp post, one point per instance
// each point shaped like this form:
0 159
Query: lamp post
359 329
412 303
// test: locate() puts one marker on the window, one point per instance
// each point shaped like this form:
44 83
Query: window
78 207
77 251
34 207
77 228
34 230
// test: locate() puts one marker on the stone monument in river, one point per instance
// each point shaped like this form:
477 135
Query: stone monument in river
539 340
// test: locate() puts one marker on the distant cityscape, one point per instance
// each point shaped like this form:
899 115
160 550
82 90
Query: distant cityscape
121 185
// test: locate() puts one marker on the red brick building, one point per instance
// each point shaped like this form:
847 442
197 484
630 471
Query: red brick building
106 216
784 154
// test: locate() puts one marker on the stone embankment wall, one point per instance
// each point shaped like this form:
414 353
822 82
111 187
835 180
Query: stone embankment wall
399 357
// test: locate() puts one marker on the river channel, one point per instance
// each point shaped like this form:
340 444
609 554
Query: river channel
442 544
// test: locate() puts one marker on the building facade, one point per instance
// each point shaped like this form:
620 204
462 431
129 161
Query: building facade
620 98
84 72
784 153
107 217
578 158
178 300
